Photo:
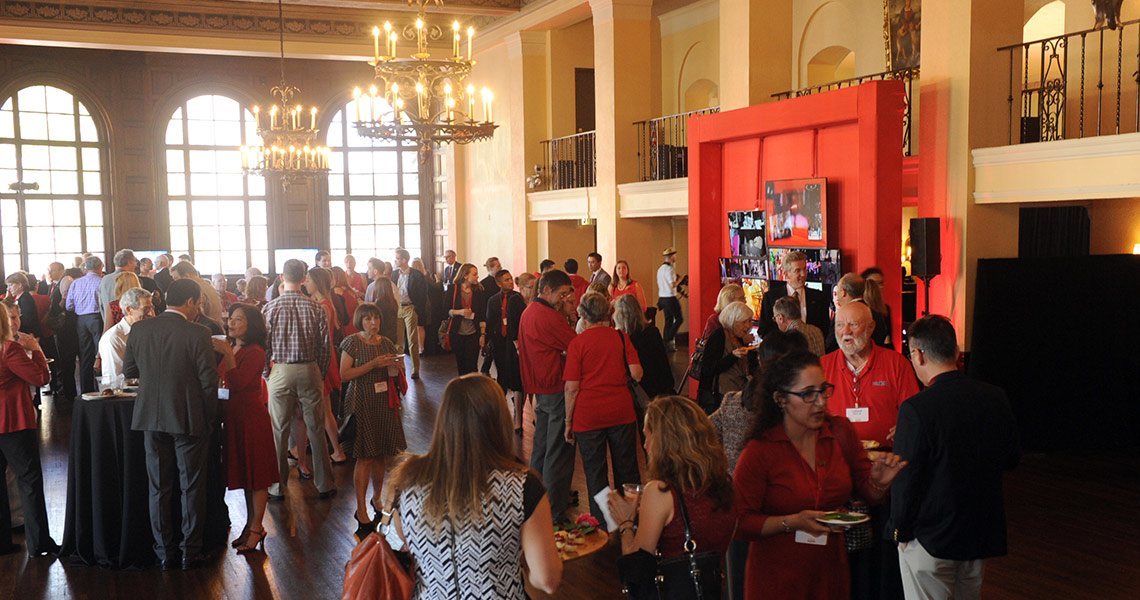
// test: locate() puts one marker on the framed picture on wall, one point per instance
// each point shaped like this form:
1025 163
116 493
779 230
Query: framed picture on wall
746 234
902 23
797 213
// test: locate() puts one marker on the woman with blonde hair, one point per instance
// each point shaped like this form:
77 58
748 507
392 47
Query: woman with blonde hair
526 283
468 509
728 294
687 472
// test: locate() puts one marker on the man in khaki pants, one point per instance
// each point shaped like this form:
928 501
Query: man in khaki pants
413 304
299 352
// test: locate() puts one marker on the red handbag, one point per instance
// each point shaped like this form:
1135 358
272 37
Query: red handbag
374 572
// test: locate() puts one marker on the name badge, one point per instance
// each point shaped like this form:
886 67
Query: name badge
223 394
381 387
859 415
504 321
803 537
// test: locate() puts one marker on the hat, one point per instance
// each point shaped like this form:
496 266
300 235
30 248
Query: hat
669 251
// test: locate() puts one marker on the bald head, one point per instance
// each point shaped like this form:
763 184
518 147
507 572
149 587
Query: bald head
853 327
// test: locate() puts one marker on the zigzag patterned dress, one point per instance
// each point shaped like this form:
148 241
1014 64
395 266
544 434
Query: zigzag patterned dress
480 558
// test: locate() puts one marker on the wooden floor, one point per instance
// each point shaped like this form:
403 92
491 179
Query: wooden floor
1074 532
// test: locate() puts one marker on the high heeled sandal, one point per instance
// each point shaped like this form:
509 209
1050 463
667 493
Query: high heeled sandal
302 474
363 528
258 546
241 538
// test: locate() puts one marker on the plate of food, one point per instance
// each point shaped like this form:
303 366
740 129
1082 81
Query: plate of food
843 519
580 538
108 394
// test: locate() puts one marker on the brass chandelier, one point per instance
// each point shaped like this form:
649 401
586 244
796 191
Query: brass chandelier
422 99
288 133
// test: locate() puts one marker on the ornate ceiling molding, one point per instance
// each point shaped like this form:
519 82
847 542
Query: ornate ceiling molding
208 18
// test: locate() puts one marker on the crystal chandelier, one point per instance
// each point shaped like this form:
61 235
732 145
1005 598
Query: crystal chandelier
288 148
422 99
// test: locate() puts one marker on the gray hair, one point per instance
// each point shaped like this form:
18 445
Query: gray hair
627 314
852 284
93 263
594 308
133 297
124 257
735 313
793 256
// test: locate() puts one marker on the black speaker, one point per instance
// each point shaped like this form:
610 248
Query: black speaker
925 247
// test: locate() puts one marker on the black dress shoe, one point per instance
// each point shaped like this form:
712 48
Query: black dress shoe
169 564
51 549
327 494
193 562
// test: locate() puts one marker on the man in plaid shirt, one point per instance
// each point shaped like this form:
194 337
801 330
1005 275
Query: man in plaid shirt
298 357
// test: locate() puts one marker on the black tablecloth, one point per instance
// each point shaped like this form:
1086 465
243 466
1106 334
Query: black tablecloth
108 516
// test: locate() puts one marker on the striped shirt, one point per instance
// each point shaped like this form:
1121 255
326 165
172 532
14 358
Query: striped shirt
298 331
812 334
83 295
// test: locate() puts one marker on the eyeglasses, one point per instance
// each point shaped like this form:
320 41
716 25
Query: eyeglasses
911 352
812 396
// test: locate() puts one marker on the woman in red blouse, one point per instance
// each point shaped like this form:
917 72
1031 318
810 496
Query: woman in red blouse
624 284
251 463
22 366
799 464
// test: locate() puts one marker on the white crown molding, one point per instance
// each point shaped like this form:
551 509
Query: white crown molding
689 16
666 198
1060 194
1090 147
562 205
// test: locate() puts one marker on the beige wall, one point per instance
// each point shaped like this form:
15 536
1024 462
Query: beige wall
484 203
854 24
566 239
690 57
570 48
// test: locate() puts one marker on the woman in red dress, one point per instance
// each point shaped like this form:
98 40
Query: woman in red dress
348 295
799 464
624 284
251 462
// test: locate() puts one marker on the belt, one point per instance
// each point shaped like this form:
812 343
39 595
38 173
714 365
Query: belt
406 304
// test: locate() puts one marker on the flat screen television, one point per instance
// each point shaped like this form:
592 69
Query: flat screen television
746 233
823 264
305 255
797 212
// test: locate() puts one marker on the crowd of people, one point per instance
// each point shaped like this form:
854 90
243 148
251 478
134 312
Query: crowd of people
803 411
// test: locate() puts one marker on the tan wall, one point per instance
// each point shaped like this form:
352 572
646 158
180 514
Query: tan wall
854 24
690 57
566 239
484 204
570 48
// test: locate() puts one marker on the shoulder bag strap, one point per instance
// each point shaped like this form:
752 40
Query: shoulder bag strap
455 564
690 546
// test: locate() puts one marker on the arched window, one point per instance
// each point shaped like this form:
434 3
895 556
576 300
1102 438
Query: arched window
217 214
48 139
374 203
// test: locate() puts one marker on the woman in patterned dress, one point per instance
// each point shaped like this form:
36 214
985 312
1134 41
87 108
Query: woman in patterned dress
369 362
468 509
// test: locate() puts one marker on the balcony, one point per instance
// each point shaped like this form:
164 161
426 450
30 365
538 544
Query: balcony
663 147
907 76
1074 121
570 162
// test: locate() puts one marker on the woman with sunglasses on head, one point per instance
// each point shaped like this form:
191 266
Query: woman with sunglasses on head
799 464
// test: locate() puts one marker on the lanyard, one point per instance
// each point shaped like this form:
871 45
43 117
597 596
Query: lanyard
503 315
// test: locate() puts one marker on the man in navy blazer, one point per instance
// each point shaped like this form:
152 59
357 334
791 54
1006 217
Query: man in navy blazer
176 409
959 437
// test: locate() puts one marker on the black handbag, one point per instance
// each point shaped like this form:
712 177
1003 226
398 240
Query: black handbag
641 398
690 576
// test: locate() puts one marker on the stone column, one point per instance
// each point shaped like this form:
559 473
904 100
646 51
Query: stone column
756 58
526 53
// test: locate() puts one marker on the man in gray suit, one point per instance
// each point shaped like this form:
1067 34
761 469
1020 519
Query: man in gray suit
176 410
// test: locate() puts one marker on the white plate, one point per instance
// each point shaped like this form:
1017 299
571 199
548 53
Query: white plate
841 523
98 396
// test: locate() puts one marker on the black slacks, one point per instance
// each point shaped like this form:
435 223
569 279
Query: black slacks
673 317
67 343
90 329
621 441
466 349
21 451
183 456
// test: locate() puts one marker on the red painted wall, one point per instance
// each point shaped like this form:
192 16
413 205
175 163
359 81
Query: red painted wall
850 136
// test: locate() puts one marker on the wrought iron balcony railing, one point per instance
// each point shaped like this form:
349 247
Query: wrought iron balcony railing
570 161
662 146
1049 85
907 76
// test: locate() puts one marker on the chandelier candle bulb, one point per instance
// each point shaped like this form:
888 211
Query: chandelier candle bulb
356 100
420 36
313 118
257 116
455 39
470 36
392 40
273 116
376 43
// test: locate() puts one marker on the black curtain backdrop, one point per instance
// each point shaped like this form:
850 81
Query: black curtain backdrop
1062 337
1053 231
